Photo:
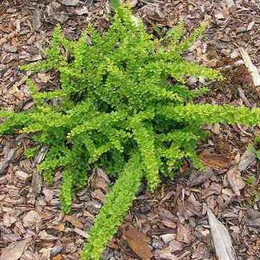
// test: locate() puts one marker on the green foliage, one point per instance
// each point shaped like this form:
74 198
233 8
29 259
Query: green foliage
253 188
255 148
114 3
116 206
122 105
250 180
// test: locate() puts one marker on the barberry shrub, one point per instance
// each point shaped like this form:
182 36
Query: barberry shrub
122 104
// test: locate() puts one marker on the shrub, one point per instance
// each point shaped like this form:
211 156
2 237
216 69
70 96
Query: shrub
122 105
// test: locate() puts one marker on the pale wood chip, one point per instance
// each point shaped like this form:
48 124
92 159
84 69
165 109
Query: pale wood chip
15 250
36 183
251 67
221 238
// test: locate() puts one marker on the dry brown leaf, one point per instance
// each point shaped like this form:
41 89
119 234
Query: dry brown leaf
15 250
138 241
74 221
215 161
235 180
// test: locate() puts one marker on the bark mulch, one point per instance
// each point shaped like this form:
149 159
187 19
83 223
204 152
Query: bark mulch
173 222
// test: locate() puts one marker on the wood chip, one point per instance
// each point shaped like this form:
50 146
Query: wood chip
250 66
250 25
165 254
9 48
31 219
45 236
22 175
243 97
81 232
8 220
166 238
235 180
70 2
36 183
36 20
215 161
82 11
74 221
57 257
10 155
138 241
41 155
199 177
7 37
253 218
60 227
221 238
175 245
247 159
230 3
184 233
15 250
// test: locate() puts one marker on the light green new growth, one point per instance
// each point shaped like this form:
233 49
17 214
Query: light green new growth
122 105
117 203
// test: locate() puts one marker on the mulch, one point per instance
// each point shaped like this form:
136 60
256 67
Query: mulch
171 223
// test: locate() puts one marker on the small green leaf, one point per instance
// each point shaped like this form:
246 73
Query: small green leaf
114 3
